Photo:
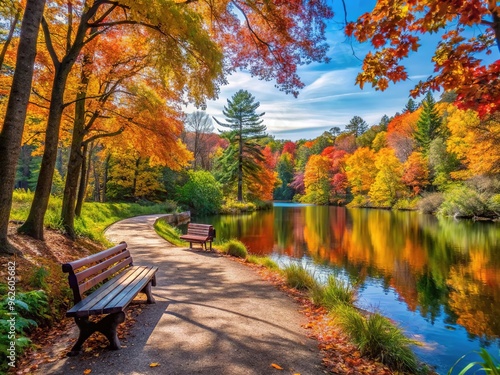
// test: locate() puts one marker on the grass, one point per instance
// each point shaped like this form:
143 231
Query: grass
334 292
378 338
95 218
299 278
490 365
263 261
169 233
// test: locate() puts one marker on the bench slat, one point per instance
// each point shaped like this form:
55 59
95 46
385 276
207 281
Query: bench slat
94 270
72 266
102 276
131 292
101 301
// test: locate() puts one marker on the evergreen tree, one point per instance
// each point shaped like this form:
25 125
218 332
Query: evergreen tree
241 159
411 106
428 124
357 126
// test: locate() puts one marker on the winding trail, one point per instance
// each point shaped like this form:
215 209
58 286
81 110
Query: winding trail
212 316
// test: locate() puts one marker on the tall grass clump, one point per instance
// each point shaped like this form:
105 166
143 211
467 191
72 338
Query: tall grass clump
235 248
334 292
378 338
490 365
299 278
263 261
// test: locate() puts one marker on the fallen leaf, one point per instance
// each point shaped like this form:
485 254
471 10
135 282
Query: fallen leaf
277 367
154 364
87 371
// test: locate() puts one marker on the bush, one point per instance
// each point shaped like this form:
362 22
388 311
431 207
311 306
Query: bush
430 203
462 201
407 204
378 338
234 207
202 193
299 278
235 248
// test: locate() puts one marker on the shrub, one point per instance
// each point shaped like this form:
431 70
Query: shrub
234 207
462 201
202 193
430 203
407 204
299 278
235 248
378 338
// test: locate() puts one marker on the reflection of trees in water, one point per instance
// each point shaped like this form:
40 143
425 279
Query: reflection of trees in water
438 267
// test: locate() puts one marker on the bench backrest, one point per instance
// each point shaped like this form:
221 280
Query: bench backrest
87 272
201 230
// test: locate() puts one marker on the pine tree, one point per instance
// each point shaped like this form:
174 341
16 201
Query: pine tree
357 126
241 159
411 106
428 124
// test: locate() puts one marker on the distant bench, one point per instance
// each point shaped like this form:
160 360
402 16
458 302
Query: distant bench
122 282
199 233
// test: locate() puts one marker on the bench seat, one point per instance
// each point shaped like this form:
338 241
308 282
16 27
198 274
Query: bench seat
116 294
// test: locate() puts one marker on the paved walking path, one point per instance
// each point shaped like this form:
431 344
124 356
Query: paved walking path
212 316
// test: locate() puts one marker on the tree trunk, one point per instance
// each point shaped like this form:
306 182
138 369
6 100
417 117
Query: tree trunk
34 224
76 155
84 178
105 183
15 115
240 165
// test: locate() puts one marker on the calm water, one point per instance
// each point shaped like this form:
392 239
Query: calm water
438 279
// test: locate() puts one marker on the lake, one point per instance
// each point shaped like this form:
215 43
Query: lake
439 279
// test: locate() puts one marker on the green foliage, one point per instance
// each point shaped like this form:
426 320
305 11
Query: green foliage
334 292
202 193
356 126
240 161
407 204
462 201
31 309
490 365
378 338
299 278
96 217
39 278
169 233
428 124
235 248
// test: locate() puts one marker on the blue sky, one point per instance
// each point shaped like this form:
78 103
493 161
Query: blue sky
330 97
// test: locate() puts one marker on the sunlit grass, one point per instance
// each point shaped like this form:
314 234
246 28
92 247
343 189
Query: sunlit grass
263 261
95 218
334 292
169 233
377 338
299 278
234 247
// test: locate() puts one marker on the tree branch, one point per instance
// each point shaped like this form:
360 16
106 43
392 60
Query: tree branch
48 43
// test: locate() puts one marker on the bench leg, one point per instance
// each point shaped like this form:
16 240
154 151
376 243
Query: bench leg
147 292
190 245
107 326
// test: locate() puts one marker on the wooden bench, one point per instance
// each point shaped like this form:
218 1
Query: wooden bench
115 282
199 233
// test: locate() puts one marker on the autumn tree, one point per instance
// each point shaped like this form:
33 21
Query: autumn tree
245 128
428 124
416 172
387 186
15 115
394 29
361 170
317 180
194 54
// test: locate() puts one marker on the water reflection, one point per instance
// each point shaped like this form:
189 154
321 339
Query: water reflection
444 271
